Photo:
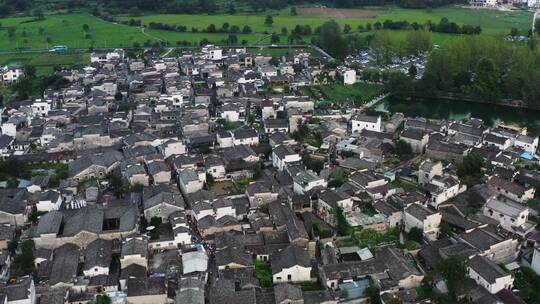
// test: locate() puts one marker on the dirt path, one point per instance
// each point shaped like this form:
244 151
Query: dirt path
150 36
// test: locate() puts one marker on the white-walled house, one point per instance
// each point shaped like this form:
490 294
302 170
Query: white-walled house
49 200
427 170
173 147
283 155
190 180
10 75
245 137
489 275
510 214
307 180
418 216
214 53
292 264
511 190
230 112
527 143
40 107
349 77
360 122
215 166
443 188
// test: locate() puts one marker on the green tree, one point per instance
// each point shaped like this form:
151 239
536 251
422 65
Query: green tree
11 32
454 271
23 264
137 188
232 39
415 234
403 148
231 10
343 227
30 71
330 40
418 41
116 184
209 179
269 20
103 299
373 293
263 273
38 13
312 164
400 85
225 27
486 83
413 71
293 11
514 32
470 169
274 38
246 29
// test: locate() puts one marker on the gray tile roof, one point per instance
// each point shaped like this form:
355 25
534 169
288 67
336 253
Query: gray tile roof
98 254
289 257
486 269
65 264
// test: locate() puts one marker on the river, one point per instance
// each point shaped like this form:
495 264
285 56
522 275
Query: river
459 110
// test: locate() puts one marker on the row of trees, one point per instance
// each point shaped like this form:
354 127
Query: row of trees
444 26
480 67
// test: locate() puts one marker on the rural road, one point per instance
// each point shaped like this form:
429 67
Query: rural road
249 46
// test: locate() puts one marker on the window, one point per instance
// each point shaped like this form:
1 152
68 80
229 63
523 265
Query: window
289 277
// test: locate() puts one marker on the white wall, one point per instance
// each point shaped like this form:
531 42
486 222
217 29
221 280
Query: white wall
297 273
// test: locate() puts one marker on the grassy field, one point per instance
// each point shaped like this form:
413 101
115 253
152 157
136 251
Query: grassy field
46 62
357 93
68 29
491 21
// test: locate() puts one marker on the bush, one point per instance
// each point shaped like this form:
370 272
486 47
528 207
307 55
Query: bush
263 273
403 148
343 227
415 234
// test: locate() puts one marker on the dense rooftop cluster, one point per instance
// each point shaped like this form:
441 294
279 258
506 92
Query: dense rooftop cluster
186 180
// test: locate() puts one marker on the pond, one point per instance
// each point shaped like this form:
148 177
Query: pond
491 114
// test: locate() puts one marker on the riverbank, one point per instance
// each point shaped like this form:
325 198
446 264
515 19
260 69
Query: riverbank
491 114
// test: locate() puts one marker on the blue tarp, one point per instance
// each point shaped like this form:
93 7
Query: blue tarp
354 289
527 156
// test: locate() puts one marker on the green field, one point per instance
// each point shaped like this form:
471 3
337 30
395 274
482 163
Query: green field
68 29
46 62
491 21
357 93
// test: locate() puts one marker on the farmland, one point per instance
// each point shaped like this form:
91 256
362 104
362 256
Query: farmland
491 21
67 29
